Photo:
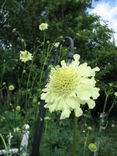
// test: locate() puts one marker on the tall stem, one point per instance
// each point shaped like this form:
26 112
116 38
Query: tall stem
74 143
105 103
112 105
5 145
85 144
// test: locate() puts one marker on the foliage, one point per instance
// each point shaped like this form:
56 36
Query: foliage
19 30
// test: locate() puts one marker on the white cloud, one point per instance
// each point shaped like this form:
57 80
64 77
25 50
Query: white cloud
108 13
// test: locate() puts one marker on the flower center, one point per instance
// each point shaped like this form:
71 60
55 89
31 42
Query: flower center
25 55
64 80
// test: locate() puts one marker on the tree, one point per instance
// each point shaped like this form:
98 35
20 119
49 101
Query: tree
65 17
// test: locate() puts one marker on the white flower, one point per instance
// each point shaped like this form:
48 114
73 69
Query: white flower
69 87
43 26
25 56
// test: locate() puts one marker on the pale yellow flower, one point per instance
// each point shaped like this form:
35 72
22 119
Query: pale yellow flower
43 26
4 83
115 93
69 87
92 147
47 118
110 84
16 130
2 118
25 56
56 44
34 100
113 125
11 87
18 108
89 128
24 71
14 30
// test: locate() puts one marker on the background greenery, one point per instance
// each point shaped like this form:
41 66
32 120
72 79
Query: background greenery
19 21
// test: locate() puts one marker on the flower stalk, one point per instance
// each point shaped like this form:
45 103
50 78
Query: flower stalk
105 103
74 137
113 104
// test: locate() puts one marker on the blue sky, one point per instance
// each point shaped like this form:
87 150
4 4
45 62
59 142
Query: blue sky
107 10
111 2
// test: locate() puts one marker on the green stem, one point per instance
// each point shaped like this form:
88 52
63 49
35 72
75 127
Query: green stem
20 81
3 72
29 76
112 105
5 145
74 144
105 103
85 144
49 49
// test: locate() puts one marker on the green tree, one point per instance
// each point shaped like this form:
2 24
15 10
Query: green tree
65 18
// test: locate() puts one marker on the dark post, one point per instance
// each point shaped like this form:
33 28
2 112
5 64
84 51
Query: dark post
40 122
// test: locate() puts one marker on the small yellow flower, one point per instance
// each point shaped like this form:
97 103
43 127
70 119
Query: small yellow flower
43 26
18 108
47 118
89 128
4 83
85 124
24 71
69 87
56 44
34 100
11 87
2 118
113 125
14 30
110 84
25 56
115 93
48 42
92 147
16 130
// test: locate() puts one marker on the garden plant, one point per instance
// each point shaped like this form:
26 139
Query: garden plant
79 95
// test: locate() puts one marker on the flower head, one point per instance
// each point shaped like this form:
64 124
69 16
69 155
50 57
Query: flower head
16 130
47 118
11 87
92 147
4 83
113 125
43 26
115 94
14 30
34 100
18 108
56 44
25 56
2 118
69 87
89 128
